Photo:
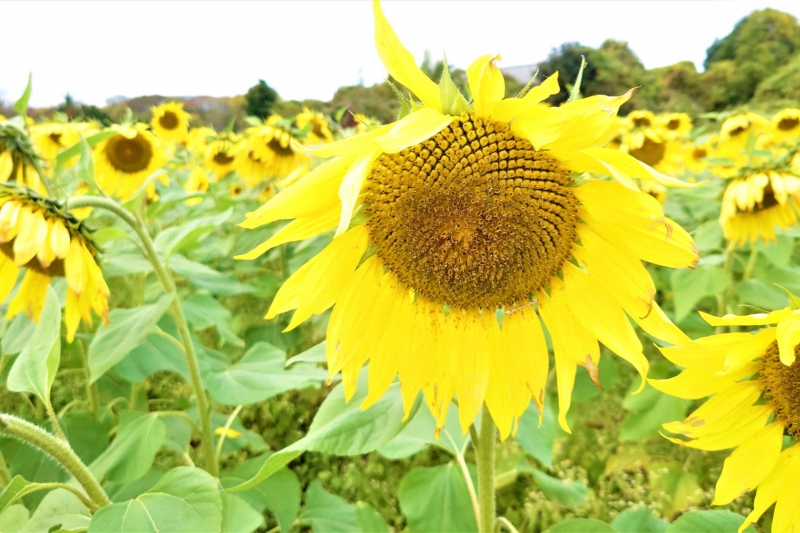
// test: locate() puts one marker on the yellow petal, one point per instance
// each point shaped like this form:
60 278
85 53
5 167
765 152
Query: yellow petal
72 316
59 239
635 168
413 129
749 464
32 234
296 230
354 146
788 334
470 371
708 353
774 488
8 276
30 296
401 64
486 83
658 324
748 350
692 384
74 267
758 319
507 109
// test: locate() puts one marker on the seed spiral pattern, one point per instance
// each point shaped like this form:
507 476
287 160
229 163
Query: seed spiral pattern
473 217
781 386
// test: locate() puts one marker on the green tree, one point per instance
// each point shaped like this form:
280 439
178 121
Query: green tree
259 99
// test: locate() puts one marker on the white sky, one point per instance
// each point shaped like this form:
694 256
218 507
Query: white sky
304 49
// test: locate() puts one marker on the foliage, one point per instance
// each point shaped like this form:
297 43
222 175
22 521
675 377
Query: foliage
259 100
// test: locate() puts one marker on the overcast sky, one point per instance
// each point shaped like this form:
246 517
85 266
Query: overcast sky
304 49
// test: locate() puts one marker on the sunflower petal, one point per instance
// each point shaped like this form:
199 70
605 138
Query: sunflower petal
413 129
486 83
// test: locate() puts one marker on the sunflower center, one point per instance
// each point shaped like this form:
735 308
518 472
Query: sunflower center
221 158
767 200
642 122
283 151
699 153
781 386
650 153
129 155
56 268
673 124
787 124
738 130
169 120
56 138
473 217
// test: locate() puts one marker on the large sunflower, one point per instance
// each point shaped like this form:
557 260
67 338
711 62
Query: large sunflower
269 151
753 206
318 130
754 384
785 127
458 227
170 122
38 234
124 161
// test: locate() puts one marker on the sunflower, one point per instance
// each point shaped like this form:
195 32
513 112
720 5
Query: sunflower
236 189
753 206
695 154
39 234
736 130
451 221
125 161
170 122
269 152
754 384
641 126
220 155
318 131
785 126
674 125
52 137
17 156
198 182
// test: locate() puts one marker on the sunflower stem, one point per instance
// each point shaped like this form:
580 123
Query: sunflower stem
92 391
486 496
58 450
751 263
167 281
43 178
51 414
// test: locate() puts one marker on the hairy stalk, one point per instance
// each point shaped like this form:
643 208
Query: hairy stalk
168 283
54 420
58 450
486 496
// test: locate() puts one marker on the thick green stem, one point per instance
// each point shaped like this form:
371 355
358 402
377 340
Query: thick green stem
751 263
5 473
54 420
58 450
168 283
486 498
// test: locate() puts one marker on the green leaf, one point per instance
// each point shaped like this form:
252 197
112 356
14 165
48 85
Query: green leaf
342 429
60 508
203 311
581 525
576 89
18 334
535 440
87 436
35 368
130 456
32 464
314 355
639 520
185 500
179 433
779 253
104 236
238 516
21 105
420 432
567 493
369 519
436 499
405 104
327 512
92 140
189 234
85 167
649 410
120 492
585 389
279 493
128 329
207 279
691 286
156 354
13 519
794 301
708 522
259 375
16 489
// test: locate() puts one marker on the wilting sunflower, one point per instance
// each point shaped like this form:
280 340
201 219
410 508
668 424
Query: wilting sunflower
785 127
641 126
18 155
754 384
124 161
38 234
753 206
318 132
459 215
170 122
736 130
221 154
269 151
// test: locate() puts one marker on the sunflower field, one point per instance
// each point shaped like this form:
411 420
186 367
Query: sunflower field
494 313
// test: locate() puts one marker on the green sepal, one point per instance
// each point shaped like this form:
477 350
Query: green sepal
576 89
405 104
529 85
794 301
453 102
21 105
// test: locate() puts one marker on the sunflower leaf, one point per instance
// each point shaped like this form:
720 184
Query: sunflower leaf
576 89
405 104
453 102
21 105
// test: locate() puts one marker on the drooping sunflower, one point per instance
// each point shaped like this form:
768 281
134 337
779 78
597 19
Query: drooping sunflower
18 155
754 384
125 161
753 206
221 154
458 215
641 125
170 122
269 151
736 130
319 132
785 126
38 234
